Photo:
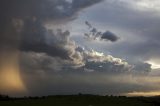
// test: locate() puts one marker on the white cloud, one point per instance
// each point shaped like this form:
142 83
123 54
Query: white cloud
154 64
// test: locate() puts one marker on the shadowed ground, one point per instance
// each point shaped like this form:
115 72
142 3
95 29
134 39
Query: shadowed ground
81 100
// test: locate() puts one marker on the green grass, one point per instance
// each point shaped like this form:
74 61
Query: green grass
81 101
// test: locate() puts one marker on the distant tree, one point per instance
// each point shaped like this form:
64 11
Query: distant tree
4 97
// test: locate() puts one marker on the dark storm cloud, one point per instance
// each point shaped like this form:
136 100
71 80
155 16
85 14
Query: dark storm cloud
22 23
37 38
52 58
98 35
43 9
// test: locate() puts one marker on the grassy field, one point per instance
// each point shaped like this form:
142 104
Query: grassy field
81 100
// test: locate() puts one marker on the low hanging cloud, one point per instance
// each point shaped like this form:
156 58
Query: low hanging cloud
98 35
100 75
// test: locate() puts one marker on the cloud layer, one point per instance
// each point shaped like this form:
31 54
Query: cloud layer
52 57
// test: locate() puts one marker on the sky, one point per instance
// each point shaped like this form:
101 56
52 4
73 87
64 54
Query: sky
62 47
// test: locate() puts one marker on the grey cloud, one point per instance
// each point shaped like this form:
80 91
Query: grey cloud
99 79
87 61
109 36
34 63
44 51
59 76
37 38
88 24
43 9
23 29
22 22
95 34
92 83
23 26
107 67
142 67
51 41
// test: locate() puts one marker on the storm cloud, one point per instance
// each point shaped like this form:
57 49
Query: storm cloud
23 22
23 30
52 56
